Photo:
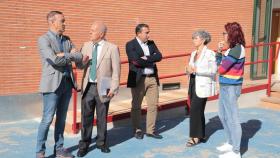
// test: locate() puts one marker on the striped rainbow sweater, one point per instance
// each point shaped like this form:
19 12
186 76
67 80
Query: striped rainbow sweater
231 65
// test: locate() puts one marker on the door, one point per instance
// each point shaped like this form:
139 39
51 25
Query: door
260 34
275 33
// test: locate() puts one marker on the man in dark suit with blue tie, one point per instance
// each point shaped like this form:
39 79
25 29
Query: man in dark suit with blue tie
143 80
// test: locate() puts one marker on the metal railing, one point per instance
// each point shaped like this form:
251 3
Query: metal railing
267 86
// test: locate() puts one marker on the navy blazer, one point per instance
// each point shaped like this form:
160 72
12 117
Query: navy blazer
137 64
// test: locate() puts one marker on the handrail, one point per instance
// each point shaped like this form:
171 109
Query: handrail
75 125
268 92
262 44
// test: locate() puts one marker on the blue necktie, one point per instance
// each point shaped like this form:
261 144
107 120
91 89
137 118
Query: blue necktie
93 63
60 43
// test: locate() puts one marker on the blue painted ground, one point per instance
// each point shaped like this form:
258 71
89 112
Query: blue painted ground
261 138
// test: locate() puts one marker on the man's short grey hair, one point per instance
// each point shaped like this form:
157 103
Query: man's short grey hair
102 26
51 14
203 34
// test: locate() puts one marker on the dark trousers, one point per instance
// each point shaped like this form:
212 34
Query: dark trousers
197 118
90 101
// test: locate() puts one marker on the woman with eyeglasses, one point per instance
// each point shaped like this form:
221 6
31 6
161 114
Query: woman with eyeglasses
202 70
231 70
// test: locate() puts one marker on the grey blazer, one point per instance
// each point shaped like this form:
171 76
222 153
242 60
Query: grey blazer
53 66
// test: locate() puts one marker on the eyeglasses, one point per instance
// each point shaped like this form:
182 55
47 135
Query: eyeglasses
225 33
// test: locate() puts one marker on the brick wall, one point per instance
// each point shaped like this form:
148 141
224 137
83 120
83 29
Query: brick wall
171 24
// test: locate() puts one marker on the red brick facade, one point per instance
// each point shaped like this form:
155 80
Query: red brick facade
171 24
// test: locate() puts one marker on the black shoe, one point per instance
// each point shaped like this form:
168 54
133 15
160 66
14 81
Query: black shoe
83 148
154 135
103 148
63 153
139 135
82 152
203 140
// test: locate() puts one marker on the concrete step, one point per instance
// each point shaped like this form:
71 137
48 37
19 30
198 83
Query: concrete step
271 102
275 94
274 100
275 86
121 108
269 105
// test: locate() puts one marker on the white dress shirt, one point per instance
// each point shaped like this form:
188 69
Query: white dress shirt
145 48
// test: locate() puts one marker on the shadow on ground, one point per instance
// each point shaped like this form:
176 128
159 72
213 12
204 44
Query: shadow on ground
249 129
119 134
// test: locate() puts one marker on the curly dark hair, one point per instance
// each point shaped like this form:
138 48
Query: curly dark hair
235 34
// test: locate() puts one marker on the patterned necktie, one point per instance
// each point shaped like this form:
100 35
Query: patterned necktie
93 63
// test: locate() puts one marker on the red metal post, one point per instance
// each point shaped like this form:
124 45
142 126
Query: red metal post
74 94
189 103
268 92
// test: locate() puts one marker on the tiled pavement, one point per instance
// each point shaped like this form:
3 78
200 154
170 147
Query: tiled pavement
260 135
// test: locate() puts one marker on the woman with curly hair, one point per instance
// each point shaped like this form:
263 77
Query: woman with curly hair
231 70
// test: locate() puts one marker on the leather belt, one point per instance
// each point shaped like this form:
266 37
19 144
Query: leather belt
93 83
148 75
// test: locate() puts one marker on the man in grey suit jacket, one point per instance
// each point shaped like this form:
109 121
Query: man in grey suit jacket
57 52
101 65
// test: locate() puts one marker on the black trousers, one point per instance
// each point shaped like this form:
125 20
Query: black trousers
90 101
197 118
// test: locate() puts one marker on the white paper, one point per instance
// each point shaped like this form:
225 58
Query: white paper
105 83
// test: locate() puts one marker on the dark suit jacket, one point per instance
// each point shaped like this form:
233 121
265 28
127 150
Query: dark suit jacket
137 64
